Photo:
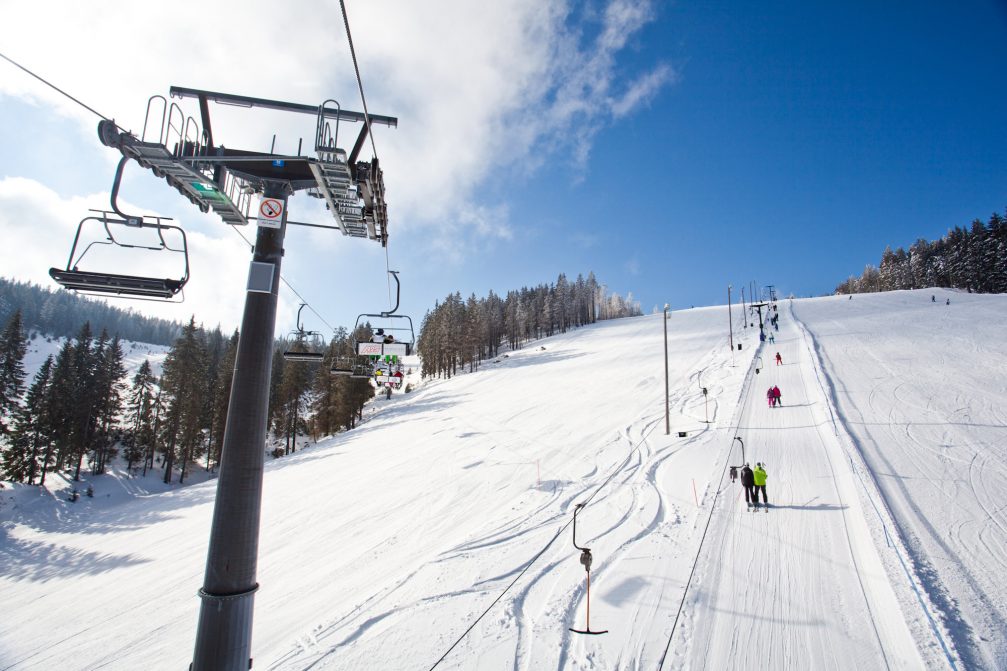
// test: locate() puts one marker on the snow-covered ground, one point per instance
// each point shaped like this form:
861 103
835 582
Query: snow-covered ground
134 354
439 532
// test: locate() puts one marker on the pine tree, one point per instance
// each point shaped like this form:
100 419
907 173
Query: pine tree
32 431
61 403
221 400
13 347
83 406
109 390
140 415
183 385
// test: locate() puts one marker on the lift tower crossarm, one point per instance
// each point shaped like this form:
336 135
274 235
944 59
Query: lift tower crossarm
248 101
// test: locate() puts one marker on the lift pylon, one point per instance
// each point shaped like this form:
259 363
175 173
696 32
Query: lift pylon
229 181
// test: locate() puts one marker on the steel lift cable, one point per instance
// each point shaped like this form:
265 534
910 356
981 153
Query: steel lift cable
59 90
367 121
356 69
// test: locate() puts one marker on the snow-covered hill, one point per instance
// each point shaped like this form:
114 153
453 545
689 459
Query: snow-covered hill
40 347
449 511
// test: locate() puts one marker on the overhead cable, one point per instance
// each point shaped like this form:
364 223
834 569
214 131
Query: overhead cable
59 90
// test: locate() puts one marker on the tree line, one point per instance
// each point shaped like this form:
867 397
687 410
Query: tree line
973 259
79 411
459 333
60 313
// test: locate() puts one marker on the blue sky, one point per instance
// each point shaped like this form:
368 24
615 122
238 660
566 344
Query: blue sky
672 148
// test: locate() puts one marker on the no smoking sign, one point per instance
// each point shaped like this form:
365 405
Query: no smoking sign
270 213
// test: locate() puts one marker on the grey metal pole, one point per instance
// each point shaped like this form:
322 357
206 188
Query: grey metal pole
667 412
224 632
730 318
744 307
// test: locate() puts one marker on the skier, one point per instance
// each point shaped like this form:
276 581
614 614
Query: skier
933 299
748 482
379 336
759 479
948 302
777 396
772 338
770 398
779 359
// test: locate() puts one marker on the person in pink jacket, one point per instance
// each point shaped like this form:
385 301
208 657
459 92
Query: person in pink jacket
777 396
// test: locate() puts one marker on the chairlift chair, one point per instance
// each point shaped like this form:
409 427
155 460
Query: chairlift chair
343 365
399 327
298 354
353 367
361 373
119 284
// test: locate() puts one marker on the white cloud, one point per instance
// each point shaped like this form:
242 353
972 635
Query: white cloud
493 85
480 90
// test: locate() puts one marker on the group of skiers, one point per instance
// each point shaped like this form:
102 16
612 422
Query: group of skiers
754 482
773 395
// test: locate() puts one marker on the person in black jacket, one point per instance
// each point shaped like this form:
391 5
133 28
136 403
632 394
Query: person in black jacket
748 482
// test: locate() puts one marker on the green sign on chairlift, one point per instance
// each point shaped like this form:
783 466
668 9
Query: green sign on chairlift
207 191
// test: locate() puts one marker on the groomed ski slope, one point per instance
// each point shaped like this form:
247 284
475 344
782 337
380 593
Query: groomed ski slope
383 546
798 585
920 390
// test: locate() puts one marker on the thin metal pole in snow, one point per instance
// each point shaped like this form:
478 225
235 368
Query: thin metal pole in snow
667 411
730 323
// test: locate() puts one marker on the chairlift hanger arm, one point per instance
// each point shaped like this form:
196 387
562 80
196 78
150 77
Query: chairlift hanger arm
398 289
248 101
114 199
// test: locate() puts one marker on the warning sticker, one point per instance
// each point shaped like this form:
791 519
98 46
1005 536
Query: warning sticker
270 213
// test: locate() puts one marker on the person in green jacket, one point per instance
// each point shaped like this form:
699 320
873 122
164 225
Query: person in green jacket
760 476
